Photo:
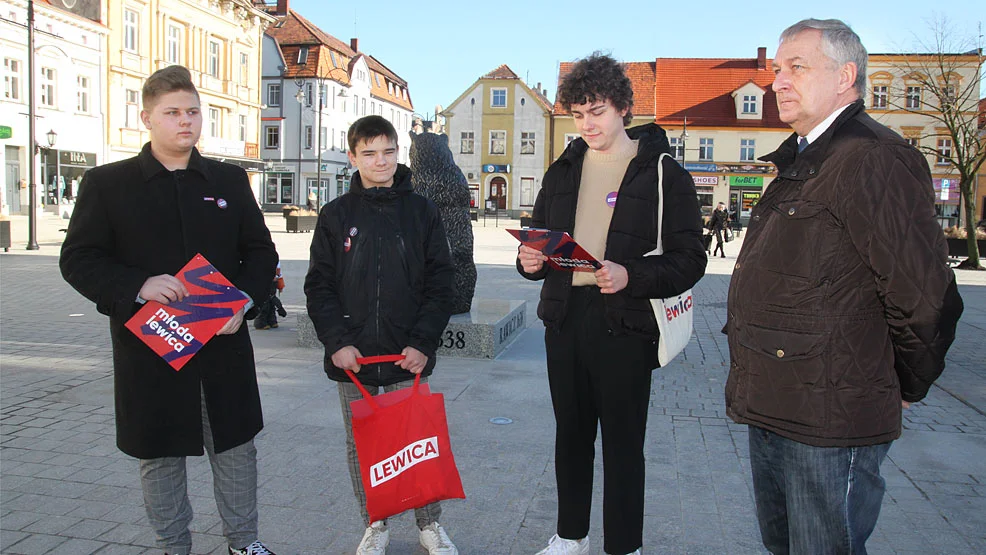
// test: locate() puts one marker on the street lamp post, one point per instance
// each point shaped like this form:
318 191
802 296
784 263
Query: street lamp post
318 167
32 186
300 97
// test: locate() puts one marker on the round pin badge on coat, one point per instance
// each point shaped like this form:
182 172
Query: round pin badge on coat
353 231
611 199
221 203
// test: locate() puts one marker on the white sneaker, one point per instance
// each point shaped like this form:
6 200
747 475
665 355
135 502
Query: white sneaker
561 546
375 539
436 541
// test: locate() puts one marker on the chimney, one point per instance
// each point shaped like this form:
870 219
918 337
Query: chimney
539 86
282 7
354 44
762 57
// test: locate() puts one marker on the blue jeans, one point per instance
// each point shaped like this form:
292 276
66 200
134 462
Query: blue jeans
815 500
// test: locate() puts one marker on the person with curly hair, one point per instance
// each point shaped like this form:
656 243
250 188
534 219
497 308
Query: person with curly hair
600 331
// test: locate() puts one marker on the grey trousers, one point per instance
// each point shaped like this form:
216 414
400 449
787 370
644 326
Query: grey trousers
234 483
348 393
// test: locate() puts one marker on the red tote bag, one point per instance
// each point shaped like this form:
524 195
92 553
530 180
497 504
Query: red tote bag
403 447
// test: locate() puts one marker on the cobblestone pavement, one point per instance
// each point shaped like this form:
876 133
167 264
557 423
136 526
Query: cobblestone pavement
65 488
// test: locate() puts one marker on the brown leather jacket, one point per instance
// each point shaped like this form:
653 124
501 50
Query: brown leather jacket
841 303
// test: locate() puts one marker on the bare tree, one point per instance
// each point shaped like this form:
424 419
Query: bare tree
941 82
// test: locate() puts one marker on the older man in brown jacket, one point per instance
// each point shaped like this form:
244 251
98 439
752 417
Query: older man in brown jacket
841 305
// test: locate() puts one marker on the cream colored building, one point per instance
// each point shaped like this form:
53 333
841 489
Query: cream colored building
498 132
897 96
219 41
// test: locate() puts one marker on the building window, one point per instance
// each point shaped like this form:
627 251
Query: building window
498 98
214 122
82 100
48 86
467 142
131 22
569 137
272 136
309 94
308 137
498 142
323 138
214 58
677 150
11 79
342 141
528 194
303 55
273 94
705 149
880 97
173 49
948 95
363 106
322 91
243 128
913 141
749 104
527 142
244 68
133 110
913 97
748 150
944 151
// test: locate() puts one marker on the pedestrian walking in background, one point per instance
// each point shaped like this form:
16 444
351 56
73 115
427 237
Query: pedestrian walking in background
601 334
841 306
136 224
718 224
380 282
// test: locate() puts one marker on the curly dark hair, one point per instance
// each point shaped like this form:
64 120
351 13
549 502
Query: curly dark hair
597 77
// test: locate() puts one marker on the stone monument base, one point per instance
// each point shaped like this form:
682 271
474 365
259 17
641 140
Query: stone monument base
483 332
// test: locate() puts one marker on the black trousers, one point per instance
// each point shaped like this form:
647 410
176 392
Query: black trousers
599 379
719 242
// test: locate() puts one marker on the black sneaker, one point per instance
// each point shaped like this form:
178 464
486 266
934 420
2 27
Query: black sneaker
255 548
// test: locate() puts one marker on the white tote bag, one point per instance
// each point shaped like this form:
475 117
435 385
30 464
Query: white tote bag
673 314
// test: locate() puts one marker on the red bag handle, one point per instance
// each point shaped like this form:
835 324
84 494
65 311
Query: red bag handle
374 360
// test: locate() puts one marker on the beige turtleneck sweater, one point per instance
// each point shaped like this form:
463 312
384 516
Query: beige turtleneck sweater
602 175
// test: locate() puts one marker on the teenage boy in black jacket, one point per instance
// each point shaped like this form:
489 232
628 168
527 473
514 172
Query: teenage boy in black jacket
380 282
601 336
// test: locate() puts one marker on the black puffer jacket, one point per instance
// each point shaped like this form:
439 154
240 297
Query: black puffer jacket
841 301
632 233
379 277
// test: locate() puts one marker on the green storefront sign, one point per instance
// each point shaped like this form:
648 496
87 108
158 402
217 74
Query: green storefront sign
6 132
746 181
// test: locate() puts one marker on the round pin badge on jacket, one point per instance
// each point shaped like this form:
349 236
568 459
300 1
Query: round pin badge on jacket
221 203
611 199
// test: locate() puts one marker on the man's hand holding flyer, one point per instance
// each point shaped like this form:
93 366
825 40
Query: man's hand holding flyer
177 330
562 251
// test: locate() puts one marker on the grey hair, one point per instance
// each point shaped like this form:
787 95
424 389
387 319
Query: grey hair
840 43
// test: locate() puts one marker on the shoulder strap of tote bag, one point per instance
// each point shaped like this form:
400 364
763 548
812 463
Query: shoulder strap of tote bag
660 202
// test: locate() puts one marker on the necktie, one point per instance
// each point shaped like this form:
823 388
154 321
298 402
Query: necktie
802 144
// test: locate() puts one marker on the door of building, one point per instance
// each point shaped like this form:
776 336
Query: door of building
498 192
12 178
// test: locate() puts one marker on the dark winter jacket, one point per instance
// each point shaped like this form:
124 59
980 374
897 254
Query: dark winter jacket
632 233
380 277
841 302
719 220
134 219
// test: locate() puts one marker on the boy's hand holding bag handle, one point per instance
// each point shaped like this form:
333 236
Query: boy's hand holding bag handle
673 314
402 443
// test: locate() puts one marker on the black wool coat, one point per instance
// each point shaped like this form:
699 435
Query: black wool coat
134 219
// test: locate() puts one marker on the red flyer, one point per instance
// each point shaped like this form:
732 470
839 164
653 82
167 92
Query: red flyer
562 251
177 331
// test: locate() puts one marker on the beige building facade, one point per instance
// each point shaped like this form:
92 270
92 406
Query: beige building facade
219 41
498 132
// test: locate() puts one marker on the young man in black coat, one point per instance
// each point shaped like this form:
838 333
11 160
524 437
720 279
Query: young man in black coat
601 334
718 223
380 282
136 224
